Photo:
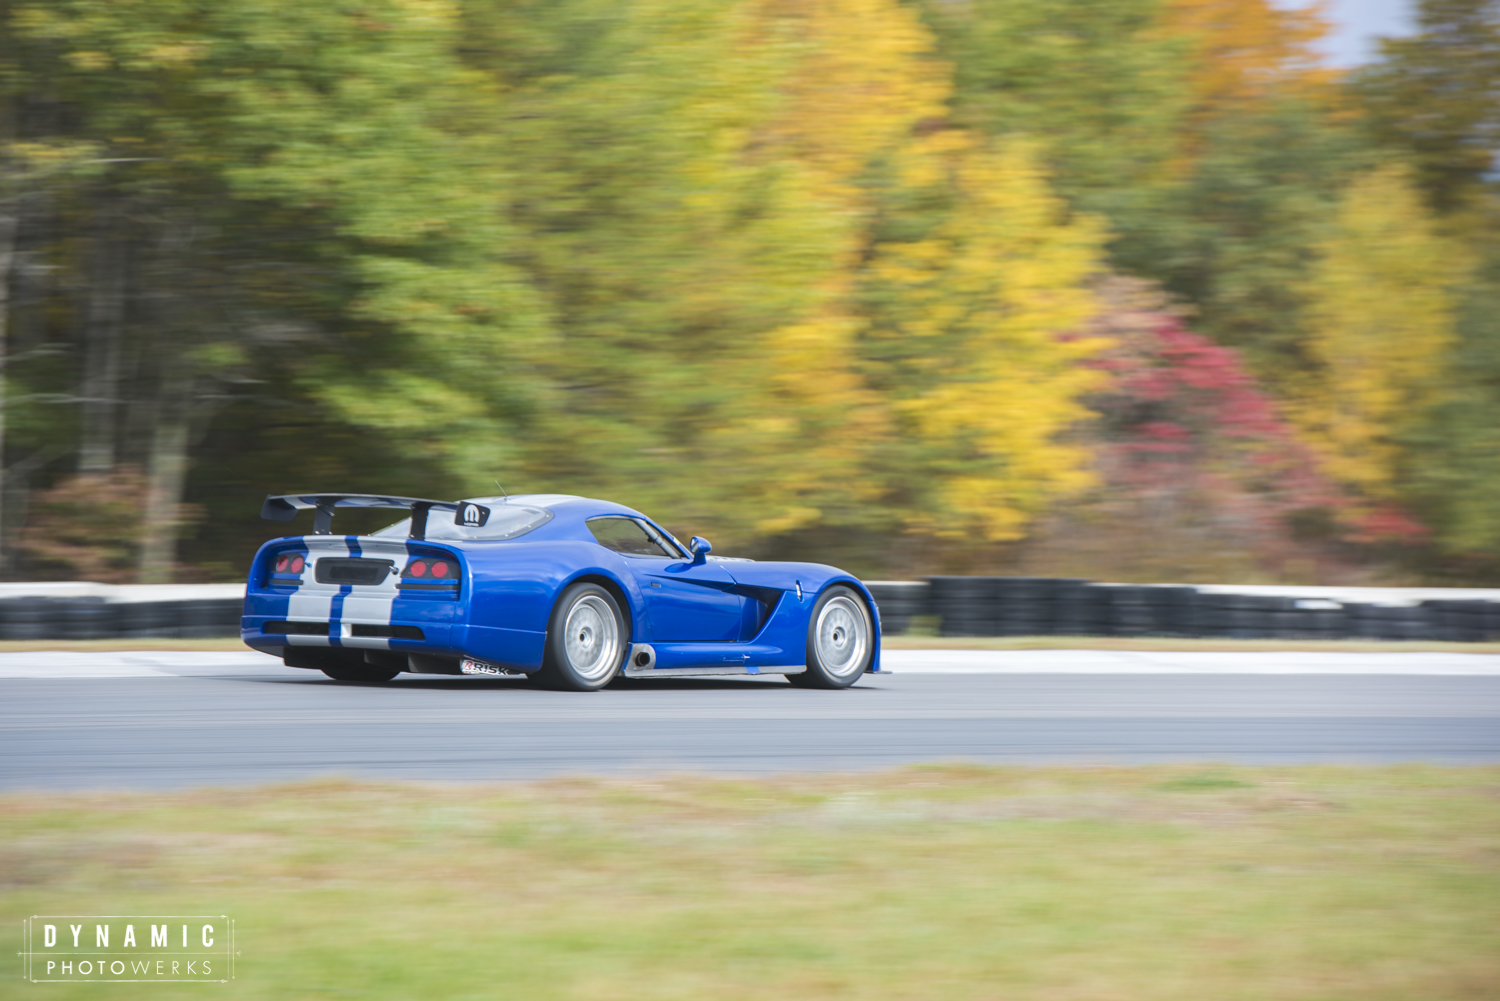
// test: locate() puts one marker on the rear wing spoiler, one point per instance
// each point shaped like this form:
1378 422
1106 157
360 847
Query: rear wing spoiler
285 507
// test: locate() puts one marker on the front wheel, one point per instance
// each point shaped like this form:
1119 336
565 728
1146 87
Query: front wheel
840 641
585 641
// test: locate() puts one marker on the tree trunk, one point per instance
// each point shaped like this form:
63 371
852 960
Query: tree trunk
166 474
103 330
166 464
8 225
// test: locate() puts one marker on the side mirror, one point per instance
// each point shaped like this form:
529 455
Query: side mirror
700 548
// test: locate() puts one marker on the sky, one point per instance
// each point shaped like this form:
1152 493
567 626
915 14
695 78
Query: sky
1358 24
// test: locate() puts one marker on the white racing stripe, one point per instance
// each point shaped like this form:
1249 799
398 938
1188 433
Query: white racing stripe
366 605
314 602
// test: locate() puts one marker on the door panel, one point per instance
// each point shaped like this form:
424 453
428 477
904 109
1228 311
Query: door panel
688 603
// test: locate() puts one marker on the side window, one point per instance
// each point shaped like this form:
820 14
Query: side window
625 535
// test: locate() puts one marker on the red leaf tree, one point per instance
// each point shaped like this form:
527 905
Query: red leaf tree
1199 473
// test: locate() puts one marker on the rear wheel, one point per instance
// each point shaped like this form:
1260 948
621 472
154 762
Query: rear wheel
585 641
840 641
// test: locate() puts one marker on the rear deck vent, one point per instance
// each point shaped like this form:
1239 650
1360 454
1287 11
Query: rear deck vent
356 629
339 570
294 628
390 632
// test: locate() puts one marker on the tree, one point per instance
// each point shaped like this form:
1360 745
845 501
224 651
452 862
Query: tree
1097 86
300 167
1382 322
1451 459
968 309
1236 235
1199 475
1249 51
1435 96
739 214
694 209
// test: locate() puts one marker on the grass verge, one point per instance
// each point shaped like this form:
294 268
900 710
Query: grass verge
934 882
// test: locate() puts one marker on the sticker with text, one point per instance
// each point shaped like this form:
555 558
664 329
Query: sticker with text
146 948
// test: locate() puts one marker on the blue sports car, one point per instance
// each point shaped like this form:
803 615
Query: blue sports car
570 591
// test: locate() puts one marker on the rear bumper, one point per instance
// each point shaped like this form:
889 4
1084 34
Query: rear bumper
517 649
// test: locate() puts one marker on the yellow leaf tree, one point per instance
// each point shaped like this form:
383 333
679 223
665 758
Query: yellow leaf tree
1381 325
1251 49
797 436
735 215
968 333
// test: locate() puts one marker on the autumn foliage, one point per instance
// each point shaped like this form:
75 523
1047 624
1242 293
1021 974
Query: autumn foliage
1146 288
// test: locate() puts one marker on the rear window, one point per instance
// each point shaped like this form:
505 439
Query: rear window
507 521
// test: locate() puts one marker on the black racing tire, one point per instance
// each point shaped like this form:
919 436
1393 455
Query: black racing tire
840 640
587 641
355 672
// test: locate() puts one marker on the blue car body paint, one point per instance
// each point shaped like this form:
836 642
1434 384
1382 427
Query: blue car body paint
694 614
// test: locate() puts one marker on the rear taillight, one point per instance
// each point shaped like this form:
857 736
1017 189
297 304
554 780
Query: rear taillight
287 570
433 572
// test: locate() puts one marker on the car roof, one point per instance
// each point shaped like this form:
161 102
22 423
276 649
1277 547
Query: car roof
535 500
557 503
566 507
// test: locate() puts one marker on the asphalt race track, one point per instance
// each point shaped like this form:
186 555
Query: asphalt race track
159 720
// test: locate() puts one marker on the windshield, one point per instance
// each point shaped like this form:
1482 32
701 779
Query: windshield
507 521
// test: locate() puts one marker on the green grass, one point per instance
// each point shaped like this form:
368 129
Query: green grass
953 882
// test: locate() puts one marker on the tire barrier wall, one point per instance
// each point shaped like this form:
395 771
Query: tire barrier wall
97 612
961 606
1050 606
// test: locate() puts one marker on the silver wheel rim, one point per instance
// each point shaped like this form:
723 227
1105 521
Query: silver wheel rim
591 638
842 637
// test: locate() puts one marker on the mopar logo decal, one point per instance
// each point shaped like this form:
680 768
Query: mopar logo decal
472 516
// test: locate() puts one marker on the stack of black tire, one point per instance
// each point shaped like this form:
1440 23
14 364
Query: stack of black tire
1027 606
1032 606
1244 616
1150 609
1387 622
41 618
1010 606
966 604
38 618
1463 621
1080 609
899 602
